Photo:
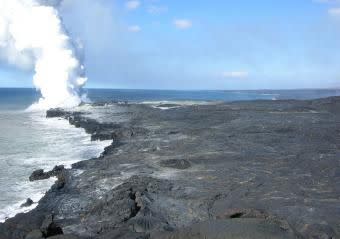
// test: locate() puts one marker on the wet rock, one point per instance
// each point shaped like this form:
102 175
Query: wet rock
176 163
61 113
39 174
28 203
56 113
62 179
56 170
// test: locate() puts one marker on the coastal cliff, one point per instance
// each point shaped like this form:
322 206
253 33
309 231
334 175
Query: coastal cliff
260 169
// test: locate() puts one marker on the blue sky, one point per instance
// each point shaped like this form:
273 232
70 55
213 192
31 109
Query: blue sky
198 44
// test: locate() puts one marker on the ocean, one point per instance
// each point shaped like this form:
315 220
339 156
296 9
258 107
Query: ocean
29 141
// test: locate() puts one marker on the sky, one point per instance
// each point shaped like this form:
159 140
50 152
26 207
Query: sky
200 44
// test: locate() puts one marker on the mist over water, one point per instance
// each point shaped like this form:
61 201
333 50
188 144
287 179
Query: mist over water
29 141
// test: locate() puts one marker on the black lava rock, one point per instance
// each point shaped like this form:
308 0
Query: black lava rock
39 174
176 163
28 203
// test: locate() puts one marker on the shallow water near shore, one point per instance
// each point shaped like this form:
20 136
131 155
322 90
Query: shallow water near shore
29 141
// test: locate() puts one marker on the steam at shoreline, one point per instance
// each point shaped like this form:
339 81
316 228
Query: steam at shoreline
32 36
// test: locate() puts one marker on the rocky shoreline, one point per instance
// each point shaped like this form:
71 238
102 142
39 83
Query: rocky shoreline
261 169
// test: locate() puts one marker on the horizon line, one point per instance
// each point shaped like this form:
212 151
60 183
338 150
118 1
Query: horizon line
155 89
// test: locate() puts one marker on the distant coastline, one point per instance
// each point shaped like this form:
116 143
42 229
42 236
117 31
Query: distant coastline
10 97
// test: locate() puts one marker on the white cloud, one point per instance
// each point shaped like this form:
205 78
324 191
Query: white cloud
334 12
182 23
235 74
132 5
153 9
134 28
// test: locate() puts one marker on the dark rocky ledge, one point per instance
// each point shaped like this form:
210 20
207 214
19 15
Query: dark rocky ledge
28 203
262 169
39 174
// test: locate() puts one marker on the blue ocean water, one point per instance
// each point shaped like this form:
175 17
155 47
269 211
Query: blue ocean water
29 141
15 98
207 95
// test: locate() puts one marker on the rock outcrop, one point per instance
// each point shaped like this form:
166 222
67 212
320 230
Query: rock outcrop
263 169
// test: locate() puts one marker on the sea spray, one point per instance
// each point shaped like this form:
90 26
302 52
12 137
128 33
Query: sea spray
32 36
29 141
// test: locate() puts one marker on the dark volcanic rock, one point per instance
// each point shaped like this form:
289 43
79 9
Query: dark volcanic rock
176 163
41 175
62 179
57 170
263 169
321 231
28 203
35 234
64 237
61 113
230 229
56 113
242 213
21 225
129 204
50 228
144 223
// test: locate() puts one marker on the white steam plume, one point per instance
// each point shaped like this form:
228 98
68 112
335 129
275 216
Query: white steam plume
32 36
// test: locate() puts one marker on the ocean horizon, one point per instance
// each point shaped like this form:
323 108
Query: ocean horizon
15 98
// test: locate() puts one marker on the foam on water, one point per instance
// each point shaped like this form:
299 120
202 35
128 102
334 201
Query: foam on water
172 104
178 102
29 141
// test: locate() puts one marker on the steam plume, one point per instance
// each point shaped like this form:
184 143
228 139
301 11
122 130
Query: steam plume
32 36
